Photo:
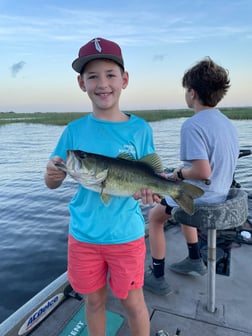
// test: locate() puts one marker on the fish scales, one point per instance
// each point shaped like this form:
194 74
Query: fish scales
125 176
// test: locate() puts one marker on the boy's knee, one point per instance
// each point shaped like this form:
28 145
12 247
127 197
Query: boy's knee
158 216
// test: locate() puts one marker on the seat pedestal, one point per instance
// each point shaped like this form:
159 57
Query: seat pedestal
217 216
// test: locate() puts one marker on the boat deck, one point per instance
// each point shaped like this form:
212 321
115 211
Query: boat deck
185 308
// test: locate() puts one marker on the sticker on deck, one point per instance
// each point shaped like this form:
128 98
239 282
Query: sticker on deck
78 326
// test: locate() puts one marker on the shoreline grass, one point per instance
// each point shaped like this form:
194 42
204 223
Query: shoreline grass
63 118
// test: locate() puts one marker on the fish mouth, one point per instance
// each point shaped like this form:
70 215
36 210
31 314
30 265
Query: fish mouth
79 154
74 159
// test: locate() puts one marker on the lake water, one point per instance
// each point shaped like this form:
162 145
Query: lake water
34 219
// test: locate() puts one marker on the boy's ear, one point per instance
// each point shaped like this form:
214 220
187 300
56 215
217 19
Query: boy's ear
194 94
125 79
81 83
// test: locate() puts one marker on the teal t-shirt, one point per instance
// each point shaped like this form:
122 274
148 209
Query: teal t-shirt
121 219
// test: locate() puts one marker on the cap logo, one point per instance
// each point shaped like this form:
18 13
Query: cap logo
97 45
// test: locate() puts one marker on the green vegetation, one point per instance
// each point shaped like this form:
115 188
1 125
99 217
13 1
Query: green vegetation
52 118
238 113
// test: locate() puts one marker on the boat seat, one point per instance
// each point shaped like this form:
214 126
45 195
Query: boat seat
216 216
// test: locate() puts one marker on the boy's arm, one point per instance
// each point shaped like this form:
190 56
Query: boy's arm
200 170
54 176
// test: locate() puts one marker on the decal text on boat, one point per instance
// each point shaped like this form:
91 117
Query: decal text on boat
40 313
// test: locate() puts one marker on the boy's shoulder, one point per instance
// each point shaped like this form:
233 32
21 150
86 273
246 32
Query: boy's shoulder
79 121
136 118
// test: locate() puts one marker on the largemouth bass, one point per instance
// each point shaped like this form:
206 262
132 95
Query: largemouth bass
123 176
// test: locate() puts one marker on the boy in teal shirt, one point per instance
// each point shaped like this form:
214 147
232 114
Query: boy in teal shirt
105 240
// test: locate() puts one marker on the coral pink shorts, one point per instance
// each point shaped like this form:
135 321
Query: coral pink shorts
90 265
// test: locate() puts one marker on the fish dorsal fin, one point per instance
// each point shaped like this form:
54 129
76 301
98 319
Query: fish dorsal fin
154 162
126 156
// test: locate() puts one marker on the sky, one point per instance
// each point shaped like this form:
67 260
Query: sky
160 40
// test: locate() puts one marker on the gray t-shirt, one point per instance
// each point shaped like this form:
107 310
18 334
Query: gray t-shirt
210 135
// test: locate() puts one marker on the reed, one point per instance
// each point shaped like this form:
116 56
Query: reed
53 118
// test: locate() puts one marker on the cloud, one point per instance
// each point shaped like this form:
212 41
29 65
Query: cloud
16 68
159 57
135 25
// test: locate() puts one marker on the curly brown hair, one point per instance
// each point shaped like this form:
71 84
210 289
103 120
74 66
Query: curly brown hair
209 80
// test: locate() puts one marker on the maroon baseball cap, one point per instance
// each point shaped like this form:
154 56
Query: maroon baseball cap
98 48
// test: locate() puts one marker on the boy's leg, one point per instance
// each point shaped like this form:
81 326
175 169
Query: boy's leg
154 281
138 315
126 264
96 312
157 219
87 273
193 264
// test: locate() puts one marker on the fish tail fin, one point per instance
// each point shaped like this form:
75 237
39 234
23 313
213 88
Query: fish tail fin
192 190
185 202
186 197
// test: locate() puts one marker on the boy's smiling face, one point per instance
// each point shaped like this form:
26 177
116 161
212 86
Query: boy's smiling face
103 81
